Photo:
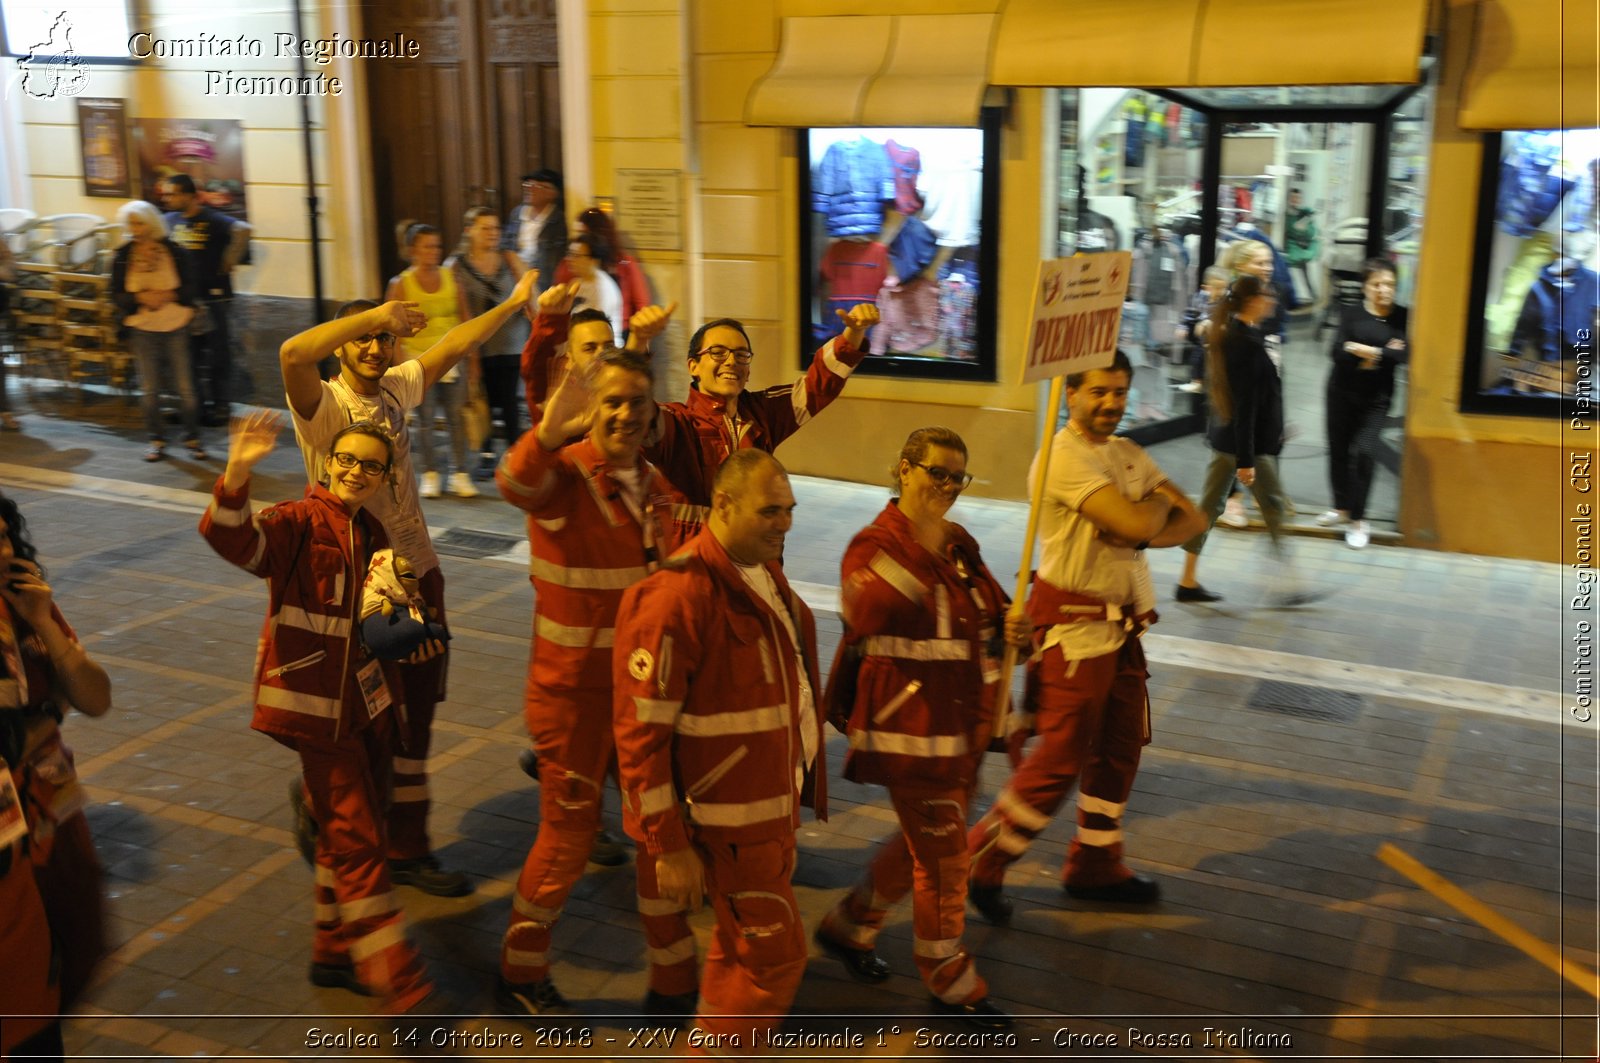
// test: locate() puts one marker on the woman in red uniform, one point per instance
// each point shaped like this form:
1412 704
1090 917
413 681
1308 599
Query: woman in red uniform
915 679
51 926
319 692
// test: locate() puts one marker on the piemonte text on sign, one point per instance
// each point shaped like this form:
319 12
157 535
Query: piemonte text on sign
1077 314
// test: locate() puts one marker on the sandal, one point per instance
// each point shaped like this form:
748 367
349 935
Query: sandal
196 451
156 452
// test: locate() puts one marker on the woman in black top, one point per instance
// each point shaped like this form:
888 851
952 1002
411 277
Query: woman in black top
1246 424
1371 341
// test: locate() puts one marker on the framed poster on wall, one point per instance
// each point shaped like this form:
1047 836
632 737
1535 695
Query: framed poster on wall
209 150
103 144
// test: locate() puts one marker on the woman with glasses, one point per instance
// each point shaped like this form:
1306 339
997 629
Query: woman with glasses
153 284
1245 429
913 686
319 692
595 287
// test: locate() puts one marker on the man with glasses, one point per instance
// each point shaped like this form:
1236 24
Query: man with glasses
372 387
1105 503
691 439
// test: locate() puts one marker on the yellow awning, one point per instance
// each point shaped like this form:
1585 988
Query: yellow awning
876 70
1534 65
1195 43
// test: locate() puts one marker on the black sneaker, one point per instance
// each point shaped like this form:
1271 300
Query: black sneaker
607 851
1135 889
485 469
428 875
991 903
530 998
679 1006
1196 593
979 1013
338 976
305 828
528 761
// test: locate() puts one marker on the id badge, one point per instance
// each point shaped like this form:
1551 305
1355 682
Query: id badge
13 824
373 689
409 537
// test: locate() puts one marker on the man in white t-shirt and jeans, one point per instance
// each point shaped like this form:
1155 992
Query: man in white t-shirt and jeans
371 386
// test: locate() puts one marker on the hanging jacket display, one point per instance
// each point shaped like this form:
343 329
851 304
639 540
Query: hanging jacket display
851 185
1557 307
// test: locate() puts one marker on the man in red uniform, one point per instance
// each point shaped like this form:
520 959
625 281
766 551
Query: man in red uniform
597 523
690 440
1105 503
717 736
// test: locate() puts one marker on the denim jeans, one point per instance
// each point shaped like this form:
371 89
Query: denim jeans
165 351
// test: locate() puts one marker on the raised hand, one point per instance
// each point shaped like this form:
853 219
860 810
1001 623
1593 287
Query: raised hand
252 437
524 289
567 411
401 318
558 298
647 323
857 320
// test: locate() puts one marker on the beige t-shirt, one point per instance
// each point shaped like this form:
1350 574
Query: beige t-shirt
1072 554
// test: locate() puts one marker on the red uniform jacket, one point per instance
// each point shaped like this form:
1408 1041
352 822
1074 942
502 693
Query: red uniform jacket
542 366
314 557
588 546
706 703
692 439
916 641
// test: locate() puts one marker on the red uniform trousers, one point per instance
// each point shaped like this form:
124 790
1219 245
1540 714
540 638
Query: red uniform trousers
423 688
1093 721
929 860
758 951
357 916
572 768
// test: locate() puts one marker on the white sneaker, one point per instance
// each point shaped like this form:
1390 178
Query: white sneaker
1233 515
1331 518
1358 536
460 486
1191 388
430 485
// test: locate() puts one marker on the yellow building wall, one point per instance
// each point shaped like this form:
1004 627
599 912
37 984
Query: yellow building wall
1469 483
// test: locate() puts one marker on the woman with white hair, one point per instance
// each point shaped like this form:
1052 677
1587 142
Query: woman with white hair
153 283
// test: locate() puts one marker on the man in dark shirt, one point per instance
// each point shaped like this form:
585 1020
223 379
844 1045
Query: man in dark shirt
216 243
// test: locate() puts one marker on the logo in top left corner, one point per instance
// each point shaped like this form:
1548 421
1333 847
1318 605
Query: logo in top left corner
51 68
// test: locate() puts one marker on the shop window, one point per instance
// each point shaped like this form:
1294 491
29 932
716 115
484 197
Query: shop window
1536 274
56 41
1130 174
904 218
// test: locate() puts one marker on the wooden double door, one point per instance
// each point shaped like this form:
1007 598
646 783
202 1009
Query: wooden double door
458 126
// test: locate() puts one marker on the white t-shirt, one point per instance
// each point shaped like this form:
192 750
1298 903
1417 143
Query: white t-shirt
395 503
760 581
602 293
1072 554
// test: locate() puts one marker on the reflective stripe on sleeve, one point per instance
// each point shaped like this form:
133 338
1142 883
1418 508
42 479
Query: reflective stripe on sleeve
656 710
917 649
657 799
909 745
586 579
898 576
745 721
743 813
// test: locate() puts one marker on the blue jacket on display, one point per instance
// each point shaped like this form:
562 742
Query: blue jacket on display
850 186
1557 307
1533 182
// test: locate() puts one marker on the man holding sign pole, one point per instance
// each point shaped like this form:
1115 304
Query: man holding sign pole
1103 503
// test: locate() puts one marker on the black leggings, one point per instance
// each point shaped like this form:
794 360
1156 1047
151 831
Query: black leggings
502 386
1355 420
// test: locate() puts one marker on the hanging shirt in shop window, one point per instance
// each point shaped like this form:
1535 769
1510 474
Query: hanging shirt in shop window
851 185
1533 181
907 165
952 191
854 271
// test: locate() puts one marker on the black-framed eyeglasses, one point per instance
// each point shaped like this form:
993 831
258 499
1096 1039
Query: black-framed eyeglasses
943 477
719 354
383 338
346 460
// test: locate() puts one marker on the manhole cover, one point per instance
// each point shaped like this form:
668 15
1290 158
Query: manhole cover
1307 702
463 542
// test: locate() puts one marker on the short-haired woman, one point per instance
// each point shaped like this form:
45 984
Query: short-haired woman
1370 343
153 284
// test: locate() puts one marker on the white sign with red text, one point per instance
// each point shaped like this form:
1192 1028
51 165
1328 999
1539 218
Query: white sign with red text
1077 313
